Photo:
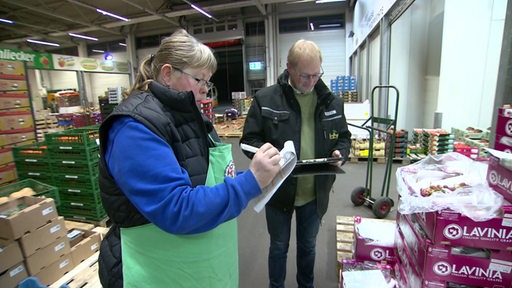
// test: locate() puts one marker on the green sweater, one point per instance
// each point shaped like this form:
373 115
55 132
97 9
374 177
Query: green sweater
306 184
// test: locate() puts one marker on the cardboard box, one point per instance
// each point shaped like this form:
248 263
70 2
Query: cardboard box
6 156
13 276
467 266
55 270
405 259
37 213
504 125
451 228
381 246
10 254
16 121
43 236
503 143
89 245
8 173
444 264
47 255
499 177
8 67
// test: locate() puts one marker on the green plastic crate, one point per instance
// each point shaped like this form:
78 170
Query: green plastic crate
40 188
75 166
35 152
77 137
90 214
83 136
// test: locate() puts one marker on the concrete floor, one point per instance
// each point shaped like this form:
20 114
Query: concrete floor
254 240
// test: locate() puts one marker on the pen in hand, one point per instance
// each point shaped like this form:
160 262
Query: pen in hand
249 148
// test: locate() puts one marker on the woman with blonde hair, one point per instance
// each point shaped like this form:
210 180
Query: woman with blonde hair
167 183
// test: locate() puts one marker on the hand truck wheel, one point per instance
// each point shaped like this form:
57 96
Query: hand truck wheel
382 207
358 196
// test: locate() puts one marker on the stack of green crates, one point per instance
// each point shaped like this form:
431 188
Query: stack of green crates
39 188
32 162
74 156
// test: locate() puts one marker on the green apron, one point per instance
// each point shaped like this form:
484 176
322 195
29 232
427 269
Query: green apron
154 258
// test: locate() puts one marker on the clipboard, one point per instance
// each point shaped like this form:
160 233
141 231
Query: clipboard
320 166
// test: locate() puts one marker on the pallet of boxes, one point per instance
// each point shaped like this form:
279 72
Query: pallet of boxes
454 227
34 239
365 251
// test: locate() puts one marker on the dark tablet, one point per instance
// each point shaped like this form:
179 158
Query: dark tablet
317 169
319 161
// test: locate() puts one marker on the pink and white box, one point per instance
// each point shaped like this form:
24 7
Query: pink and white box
375 240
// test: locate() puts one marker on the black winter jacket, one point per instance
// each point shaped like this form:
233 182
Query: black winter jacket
274 116
172 116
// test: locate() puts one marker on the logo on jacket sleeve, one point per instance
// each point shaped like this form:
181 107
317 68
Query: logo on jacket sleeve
230 170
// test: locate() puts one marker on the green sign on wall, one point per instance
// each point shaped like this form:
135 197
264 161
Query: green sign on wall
33 59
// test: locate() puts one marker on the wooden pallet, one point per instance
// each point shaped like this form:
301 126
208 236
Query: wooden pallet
354 159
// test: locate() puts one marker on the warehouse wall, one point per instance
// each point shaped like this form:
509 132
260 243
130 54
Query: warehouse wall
408 66
472 37
332 44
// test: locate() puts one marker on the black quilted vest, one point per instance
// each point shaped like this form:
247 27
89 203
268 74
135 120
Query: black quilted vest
172 116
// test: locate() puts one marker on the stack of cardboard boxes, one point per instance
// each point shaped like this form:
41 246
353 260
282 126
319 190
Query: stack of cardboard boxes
35 242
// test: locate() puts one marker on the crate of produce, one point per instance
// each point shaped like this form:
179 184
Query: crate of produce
80 200
88 214
75 166
78 137
89 154
31 185
82 182
30 153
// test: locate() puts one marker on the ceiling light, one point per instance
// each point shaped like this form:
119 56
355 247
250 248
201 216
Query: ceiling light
98 51
312 26
111 14
83 36
201 10
122 44
6 21
43 42
328 1
329 25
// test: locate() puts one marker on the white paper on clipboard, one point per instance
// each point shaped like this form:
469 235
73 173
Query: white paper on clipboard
287 163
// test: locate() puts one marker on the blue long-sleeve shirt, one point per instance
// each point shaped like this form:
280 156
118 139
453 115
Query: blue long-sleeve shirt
147 171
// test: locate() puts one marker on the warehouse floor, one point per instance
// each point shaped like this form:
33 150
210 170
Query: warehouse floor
254 240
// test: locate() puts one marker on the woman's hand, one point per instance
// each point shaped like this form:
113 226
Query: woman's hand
265 164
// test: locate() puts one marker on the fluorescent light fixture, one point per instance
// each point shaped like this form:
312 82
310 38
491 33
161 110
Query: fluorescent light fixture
328 1
312 26
6 21
329 25
83 36
122 44
98 51
111 14
43 43
201 10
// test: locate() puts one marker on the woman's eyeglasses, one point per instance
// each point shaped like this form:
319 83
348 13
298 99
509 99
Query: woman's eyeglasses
200 82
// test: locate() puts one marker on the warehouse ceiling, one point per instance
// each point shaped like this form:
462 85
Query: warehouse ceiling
53 20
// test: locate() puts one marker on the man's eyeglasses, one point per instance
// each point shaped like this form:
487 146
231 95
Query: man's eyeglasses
200 82
313 77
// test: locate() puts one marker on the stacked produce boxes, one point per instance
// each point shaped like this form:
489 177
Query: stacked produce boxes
73 157
451 237
401 143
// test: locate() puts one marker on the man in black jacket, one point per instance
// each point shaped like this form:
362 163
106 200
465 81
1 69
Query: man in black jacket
300 108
